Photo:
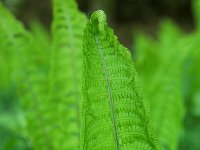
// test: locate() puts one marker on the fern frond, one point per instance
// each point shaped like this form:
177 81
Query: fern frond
42 47
15 42
166 96
147 58
192 96
167 35
114 113
29 76
196 12
65 73
13 36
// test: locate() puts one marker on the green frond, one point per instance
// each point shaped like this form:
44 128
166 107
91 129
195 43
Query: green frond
192 72
65 73
42 46
114 112
196 12
14 45
166 96
168 34
14 41
163 79
147 58
192 97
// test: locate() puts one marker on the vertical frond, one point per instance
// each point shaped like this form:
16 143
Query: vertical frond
114 112
65 72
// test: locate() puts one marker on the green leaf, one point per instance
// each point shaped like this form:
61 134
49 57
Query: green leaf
114 113
65 73
196 12
14 41
167 97
147 58
42 44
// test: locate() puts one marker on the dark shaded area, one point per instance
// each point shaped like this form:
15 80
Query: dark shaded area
122 14
150 10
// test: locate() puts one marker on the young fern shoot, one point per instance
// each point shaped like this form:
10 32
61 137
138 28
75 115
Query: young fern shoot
115 115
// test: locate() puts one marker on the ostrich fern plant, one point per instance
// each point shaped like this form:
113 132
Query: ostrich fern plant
114 112
65 72
164 85
170 84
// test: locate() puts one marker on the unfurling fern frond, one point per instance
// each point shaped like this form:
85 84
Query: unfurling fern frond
113 111
65 73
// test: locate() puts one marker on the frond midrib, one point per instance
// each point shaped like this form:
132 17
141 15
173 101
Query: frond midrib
109 90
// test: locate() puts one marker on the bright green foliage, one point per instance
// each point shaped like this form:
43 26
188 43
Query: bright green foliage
12 133
146 58
49 86
65 73
192 66
196 12
192 88
114 112
42 44
166 101
55 99
168 34
51 110
25 71
163 83
14 40
45 76
192 73
150 53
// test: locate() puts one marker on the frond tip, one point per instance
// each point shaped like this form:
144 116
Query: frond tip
99 20
114 113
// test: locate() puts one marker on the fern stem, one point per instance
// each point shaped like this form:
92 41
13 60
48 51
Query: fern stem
111 101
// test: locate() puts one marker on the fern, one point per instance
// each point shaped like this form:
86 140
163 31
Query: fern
65 73
49 129
55 99
166 94
196 13
14 43
28 76
13 36
114 112
192 88
43 43
147 58
192 64
167 35
163 83
151 52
